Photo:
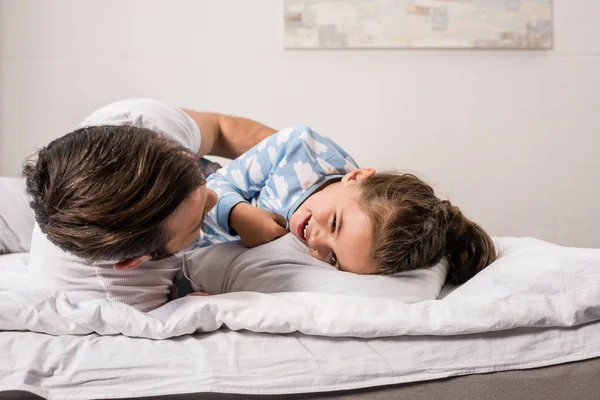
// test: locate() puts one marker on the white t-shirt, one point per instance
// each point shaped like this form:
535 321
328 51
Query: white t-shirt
145 287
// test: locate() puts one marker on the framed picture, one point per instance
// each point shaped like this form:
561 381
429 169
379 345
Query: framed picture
491 24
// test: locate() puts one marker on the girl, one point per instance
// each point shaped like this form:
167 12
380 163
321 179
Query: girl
354 219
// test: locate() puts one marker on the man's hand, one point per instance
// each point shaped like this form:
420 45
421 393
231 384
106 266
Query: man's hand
256 226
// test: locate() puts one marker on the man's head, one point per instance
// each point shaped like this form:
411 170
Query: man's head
118 193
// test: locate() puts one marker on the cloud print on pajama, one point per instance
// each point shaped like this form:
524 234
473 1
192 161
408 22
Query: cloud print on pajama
276 175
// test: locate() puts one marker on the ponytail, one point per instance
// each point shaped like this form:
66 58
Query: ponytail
468 247
412 228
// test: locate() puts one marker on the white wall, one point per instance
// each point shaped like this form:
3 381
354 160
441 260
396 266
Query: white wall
510 136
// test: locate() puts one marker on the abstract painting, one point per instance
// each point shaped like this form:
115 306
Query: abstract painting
504 24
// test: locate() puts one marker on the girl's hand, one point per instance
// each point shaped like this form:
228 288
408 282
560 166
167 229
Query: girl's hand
256 226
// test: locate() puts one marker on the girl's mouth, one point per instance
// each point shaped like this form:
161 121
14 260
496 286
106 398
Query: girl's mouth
302 229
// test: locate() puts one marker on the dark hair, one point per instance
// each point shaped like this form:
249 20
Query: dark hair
412 228
106 192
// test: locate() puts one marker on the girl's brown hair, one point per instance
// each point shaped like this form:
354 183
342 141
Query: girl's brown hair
412 228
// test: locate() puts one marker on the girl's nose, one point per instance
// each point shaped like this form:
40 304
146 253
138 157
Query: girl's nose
321 217
314 236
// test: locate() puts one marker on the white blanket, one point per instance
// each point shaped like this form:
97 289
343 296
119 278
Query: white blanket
532 284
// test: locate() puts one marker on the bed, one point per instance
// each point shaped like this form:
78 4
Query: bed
574 380
526 327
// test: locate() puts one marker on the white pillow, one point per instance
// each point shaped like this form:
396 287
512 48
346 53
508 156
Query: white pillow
16 217
285 265
13 270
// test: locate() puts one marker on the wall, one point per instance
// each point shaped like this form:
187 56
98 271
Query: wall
510 136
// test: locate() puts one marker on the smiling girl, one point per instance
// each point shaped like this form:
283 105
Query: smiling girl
353 218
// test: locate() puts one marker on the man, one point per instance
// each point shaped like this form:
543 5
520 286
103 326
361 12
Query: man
122 193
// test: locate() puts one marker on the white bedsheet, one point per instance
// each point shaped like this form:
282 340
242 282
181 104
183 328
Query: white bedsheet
533 285
92 366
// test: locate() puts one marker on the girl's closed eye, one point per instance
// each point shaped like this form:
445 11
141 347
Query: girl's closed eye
334 260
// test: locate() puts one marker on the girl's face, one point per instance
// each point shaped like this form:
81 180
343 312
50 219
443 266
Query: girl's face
334 227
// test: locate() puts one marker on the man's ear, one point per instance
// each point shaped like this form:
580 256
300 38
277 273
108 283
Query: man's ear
130 263
358 175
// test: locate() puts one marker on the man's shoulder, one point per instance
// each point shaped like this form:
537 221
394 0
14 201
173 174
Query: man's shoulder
50 258
51 268
155 115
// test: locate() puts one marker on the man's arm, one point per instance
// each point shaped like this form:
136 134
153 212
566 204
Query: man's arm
227 136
